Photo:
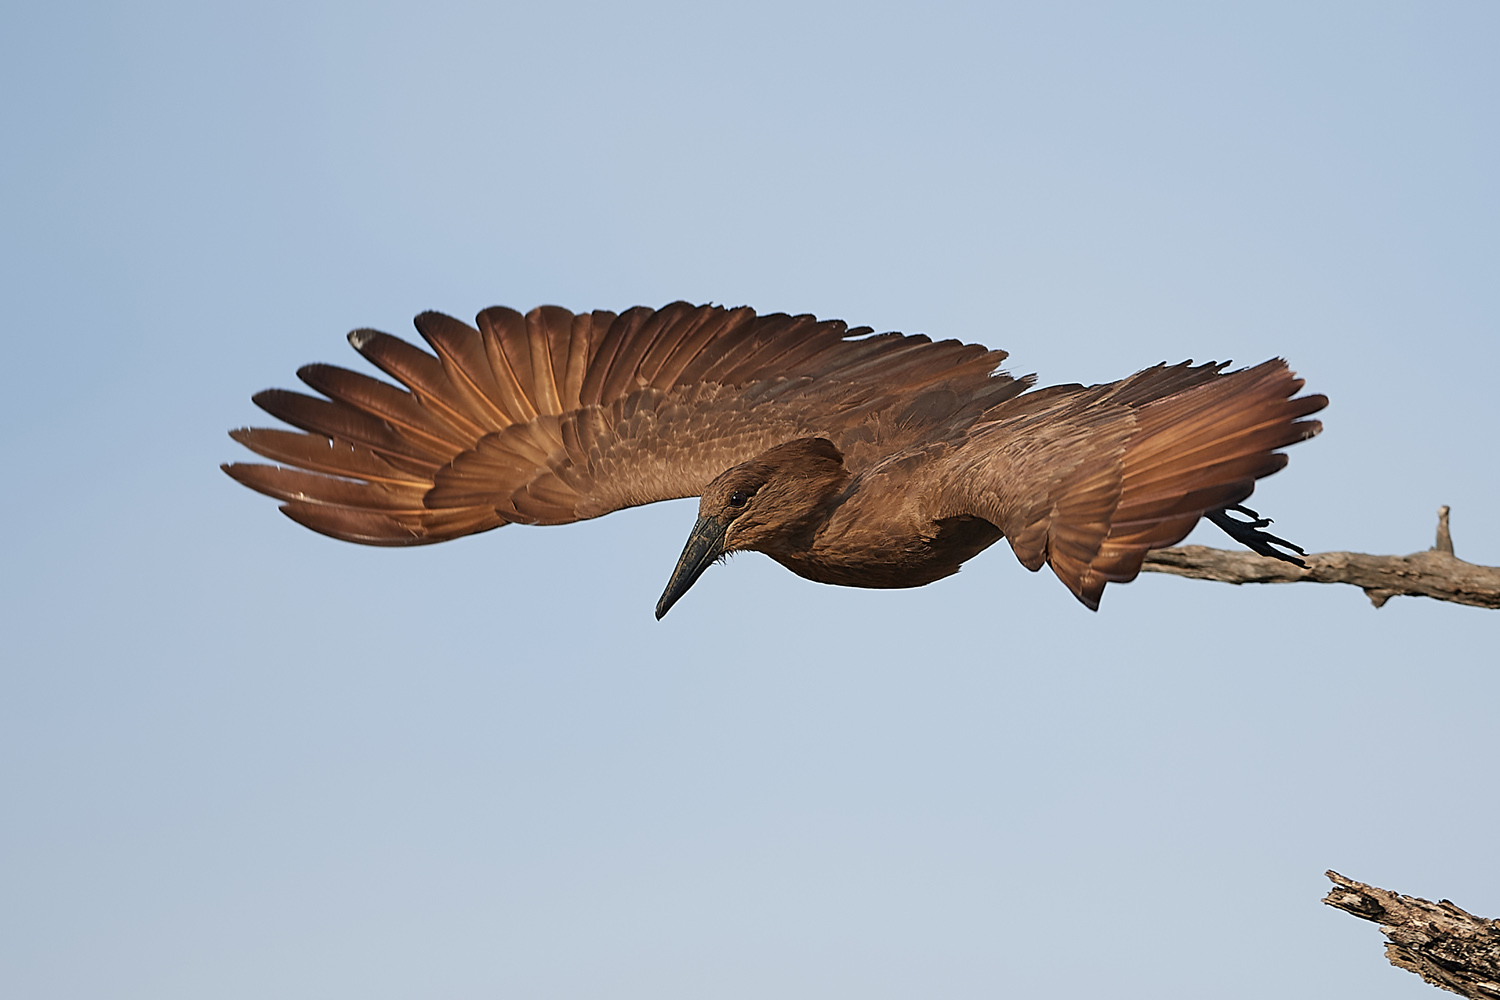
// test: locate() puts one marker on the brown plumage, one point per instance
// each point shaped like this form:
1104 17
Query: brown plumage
866 461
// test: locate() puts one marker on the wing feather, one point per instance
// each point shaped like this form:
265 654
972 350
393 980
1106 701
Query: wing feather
315 488
419 371
503 331
620 333
1089 480
625 374
329 456
370 527
400 410
333 420
470 374
576 353
543 326
551 417
676 367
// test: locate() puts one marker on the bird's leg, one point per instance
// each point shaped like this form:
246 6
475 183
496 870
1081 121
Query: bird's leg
1249 533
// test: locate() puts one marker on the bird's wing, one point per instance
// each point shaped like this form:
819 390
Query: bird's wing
1088 480
553 417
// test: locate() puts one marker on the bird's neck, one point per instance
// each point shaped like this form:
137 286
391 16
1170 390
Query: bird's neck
797 536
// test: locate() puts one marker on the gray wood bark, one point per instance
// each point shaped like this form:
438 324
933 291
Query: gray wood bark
1436 573
1445 945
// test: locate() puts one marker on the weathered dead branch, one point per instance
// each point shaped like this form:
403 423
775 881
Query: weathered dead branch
1443 944
1436 573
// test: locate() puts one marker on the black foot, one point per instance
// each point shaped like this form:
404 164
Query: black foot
1248 533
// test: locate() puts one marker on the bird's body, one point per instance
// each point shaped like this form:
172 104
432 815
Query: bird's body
871 461
880 528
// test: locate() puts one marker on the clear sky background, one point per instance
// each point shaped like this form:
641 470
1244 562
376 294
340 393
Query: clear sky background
240 760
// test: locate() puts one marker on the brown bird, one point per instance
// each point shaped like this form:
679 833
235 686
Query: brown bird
852 459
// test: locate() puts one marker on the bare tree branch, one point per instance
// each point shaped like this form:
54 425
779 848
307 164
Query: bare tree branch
1436 573
1443 944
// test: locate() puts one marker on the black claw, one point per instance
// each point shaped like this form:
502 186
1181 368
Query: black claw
1256 521
1249 533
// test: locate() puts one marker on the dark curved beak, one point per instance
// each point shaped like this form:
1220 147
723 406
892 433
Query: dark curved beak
704 545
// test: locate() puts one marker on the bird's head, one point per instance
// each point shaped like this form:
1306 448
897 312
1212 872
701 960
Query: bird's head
774 502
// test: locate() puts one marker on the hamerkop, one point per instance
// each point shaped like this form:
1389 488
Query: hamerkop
866 461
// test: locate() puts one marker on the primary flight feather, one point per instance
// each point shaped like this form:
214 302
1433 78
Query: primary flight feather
866 461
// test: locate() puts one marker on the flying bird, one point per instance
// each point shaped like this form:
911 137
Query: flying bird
850 458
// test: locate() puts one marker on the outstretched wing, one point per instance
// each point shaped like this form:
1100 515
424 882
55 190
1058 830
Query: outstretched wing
553 417
1088 480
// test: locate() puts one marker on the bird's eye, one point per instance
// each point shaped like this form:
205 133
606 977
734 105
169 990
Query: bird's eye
738 498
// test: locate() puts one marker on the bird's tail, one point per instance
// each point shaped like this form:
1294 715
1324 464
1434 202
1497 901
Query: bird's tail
1192 451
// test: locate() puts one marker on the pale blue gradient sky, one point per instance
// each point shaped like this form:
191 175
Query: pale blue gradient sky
241 760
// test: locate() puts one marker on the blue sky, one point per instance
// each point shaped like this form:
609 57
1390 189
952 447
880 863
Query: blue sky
239 759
